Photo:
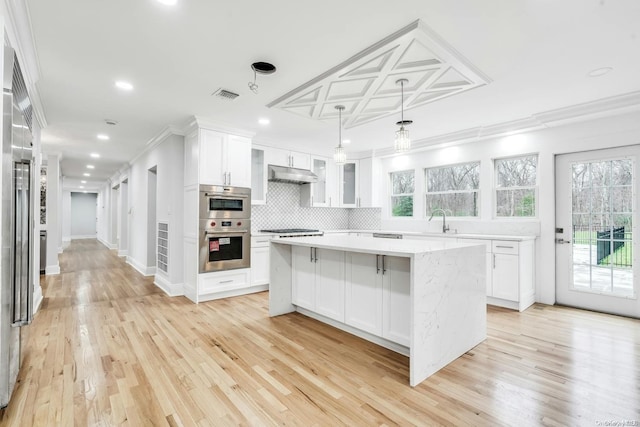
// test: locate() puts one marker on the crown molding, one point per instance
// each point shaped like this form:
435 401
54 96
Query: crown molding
156 140
599 108
198 122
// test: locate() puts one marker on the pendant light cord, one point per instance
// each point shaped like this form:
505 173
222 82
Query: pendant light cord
340 127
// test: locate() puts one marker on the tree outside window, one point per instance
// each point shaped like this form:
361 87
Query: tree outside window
402 187
516 186
453 189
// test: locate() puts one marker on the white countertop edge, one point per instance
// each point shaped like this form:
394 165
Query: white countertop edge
419 233
371 245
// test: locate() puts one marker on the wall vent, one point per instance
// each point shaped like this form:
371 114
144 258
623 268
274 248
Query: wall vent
225 94
163 246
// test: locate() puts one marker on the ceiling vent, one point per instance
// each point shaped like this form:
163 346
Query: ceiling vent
225 94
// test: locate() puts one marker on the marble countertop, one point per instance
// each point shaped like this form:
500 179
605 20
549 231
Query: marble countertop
392 247
420 234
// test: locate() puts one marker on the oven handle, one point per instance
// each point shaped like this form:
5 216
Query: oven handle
226 196
227 232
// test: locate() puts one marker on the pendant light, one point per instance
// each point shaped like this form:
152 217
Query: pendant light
402 142
339 156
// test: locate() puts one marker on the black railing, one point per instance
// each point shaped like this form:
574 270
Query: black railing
610 248
604 242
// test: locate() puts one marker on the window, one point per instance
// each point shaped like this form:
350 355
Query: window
453 189
402 184
516 186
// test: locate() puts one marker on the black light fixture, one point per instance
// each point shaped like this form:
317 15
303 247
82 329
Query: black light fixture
402 142
260 68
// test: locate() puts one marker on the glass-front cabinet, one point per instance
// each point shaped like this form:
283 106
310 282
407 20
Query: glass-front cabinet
258 176
323 193
349 184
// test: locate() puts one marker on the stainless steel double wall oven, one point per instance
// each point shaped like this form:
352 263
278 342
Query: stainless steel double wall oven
225 228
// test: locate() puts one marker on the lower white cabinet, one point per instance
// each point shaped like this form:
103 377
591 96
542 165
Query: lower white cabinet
512 274
260 260
210 283
318 281
365 291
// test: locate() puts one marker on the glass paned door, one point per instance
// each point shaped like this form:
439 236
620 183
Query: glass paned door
596 210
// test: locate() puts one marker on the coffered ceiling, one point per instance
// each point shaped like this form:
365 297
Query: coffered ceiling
473 68
367 83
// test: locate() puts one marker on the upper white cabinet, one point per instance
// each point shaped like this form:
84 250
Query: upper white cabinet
258 176
323 193
286 158
359 184
224 159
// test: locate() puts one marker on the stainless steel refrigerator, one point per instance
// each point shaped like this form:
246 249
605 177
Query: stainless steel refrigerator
16 291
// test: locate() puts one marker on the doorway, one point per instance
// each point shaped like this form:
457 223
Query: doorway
596 239
83 215
152 180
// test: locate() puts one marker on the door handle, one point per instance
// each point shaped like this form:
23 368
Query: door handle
561 241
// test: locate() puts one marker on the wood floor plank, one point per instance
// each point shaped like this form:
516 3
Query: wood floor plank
107 347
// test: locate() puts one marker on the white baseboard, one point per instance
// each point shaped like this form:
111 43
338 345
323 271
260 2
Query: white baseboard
65 244
107 244
80 237
232 293
190 292
142 269
123 252
52 269
37 297
171 289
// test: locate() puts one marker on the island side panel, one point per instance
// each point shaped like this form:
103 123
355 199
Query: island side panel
449 313
280 280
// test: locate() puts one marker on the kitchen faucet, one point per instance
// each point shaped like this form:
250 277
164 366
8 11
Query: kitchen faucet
445 227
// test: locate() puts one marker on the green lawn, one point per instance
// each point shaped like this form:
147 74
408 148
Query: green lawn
623 257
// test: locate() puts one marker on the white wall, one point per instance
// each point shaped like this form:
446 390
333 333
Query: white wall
66 218
54 221
83 215
168 157
592 134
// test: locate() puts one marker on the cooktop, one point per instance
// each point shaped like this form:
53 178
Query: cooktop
290 230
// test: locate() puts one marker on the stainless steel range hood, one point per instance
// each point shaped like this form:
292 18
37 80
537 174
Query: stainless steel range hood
292 175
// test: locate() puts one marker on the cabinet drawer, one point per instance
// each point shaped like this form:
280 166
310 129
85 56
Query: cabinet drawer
219 282
504 247
260 241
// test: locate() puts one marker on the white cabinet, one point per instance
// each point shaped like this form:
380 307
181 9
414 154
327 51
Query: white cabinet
318 281
260 260
378 295
323 193
512 275
224 159
396 299
363 300
223 281
359 183
258 176
286 158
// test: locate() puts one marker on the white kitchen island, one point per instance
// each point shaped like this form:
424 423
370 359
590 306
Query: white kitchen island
425 299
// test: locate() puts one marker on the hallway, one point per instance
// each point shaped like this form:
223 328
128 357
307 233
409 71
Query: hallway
108 348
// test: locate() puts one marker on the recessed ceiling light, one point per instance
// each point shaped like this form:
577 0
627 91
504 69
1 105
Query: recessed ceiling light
82 186
346 141
168 2
120 84
599 72
95 155
90 167
103 137
264 121
83 181
86 174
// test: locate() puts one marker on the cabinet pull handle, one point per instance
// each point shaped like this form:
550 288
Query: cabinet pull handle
329 201
229 178
315 251
226 281
377 264
384 270
261 241
310 254
494 261
504 247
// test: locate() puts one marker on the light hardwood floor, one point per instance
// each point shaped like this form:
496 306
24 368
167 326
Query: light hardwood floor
108 348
